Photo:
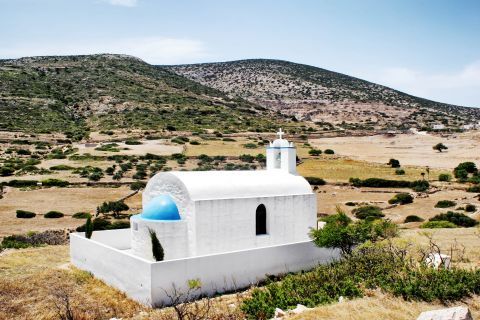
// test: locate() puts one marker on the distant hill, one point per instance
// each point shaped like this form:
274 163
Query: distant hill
74 94
319 95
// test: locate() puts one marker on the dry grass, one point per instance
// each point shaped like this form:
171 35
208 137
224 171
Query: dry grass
343 169
380 306
231 148
33 281
66 200
410 149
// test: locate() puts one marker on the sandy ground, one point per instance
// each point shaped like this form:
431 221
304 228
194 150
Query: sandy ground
159 147
66 200
410 149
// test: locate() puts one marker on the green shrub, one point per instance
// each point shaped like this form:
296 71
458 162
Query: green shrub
61 167
369 211
137 185
25 214
400 172
55 183
341 233
474 188
413 218
350 204
114 207
456 218
438 224
470 208
53 215
315 152
369 267
418 185
81 215
109 147
250 145
444 177
132 142
6 171
194 143
22 183
401 198
315 181
445 204
15 242
180 140
228 139
394 163
329 151
105 224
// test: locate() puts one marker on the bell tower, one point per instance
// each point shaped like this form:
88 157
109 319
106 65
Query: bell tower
282 155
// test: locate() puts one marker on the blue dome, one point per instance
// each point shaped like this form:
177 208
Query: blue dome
161 207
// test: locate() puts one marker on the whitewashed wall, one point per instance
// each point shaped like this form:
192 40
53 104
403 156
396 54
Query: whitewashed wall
228 225
171 234
149 282
124 271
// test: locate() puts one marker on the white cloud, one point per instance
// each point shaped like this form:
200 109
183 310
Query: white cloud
460 87
154 50
123 3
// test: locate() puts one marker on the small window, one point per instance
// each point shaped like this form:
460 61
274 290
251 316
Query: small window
261 220
135 226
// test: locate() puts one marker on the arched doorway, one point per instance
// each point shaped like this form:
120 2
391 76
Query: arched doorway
261 220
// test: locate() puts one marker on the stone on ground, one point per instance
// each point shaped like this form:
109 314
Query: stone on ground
455 313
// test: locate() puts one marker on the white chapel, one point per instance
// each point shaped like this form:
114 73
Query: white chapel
196 213
226 229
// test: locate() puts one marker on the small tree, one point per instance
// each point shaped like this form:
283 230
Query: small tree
157 249
440 147
88 228
112 206
394 163
341 233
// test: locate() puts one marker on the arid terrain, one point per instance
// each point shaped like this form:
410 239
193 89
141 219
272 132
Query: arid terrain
409 149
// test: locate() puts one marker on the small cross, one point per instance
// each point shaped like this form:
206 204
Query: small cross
280 133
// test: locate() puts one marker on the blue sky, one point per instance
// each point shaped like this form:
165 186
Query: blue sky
426 48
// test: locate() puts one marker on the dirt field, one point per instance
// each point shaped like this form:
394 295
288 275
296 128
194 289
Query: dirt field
410 149
334 169
158 147
331 196
231 148
66 200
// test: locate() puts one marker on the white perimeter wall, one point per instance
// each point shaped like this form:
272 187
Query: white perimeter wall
229 224
117 268
149 282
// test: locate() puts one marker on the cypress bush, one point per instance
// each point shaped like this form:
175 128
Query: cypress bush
88 228
157 249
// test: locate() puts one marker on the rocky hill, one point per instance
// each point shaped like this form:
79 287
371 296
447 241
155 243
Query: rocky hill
74 94
323 96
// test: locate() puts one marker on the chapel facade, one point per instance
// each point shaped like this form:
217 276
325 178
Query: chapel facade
198 213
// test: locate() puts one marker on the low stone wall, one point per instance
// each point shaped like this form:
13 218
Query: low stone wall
151 283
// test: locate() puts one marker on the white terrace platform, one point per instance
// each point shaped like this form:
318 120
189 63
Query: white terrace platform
108 256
